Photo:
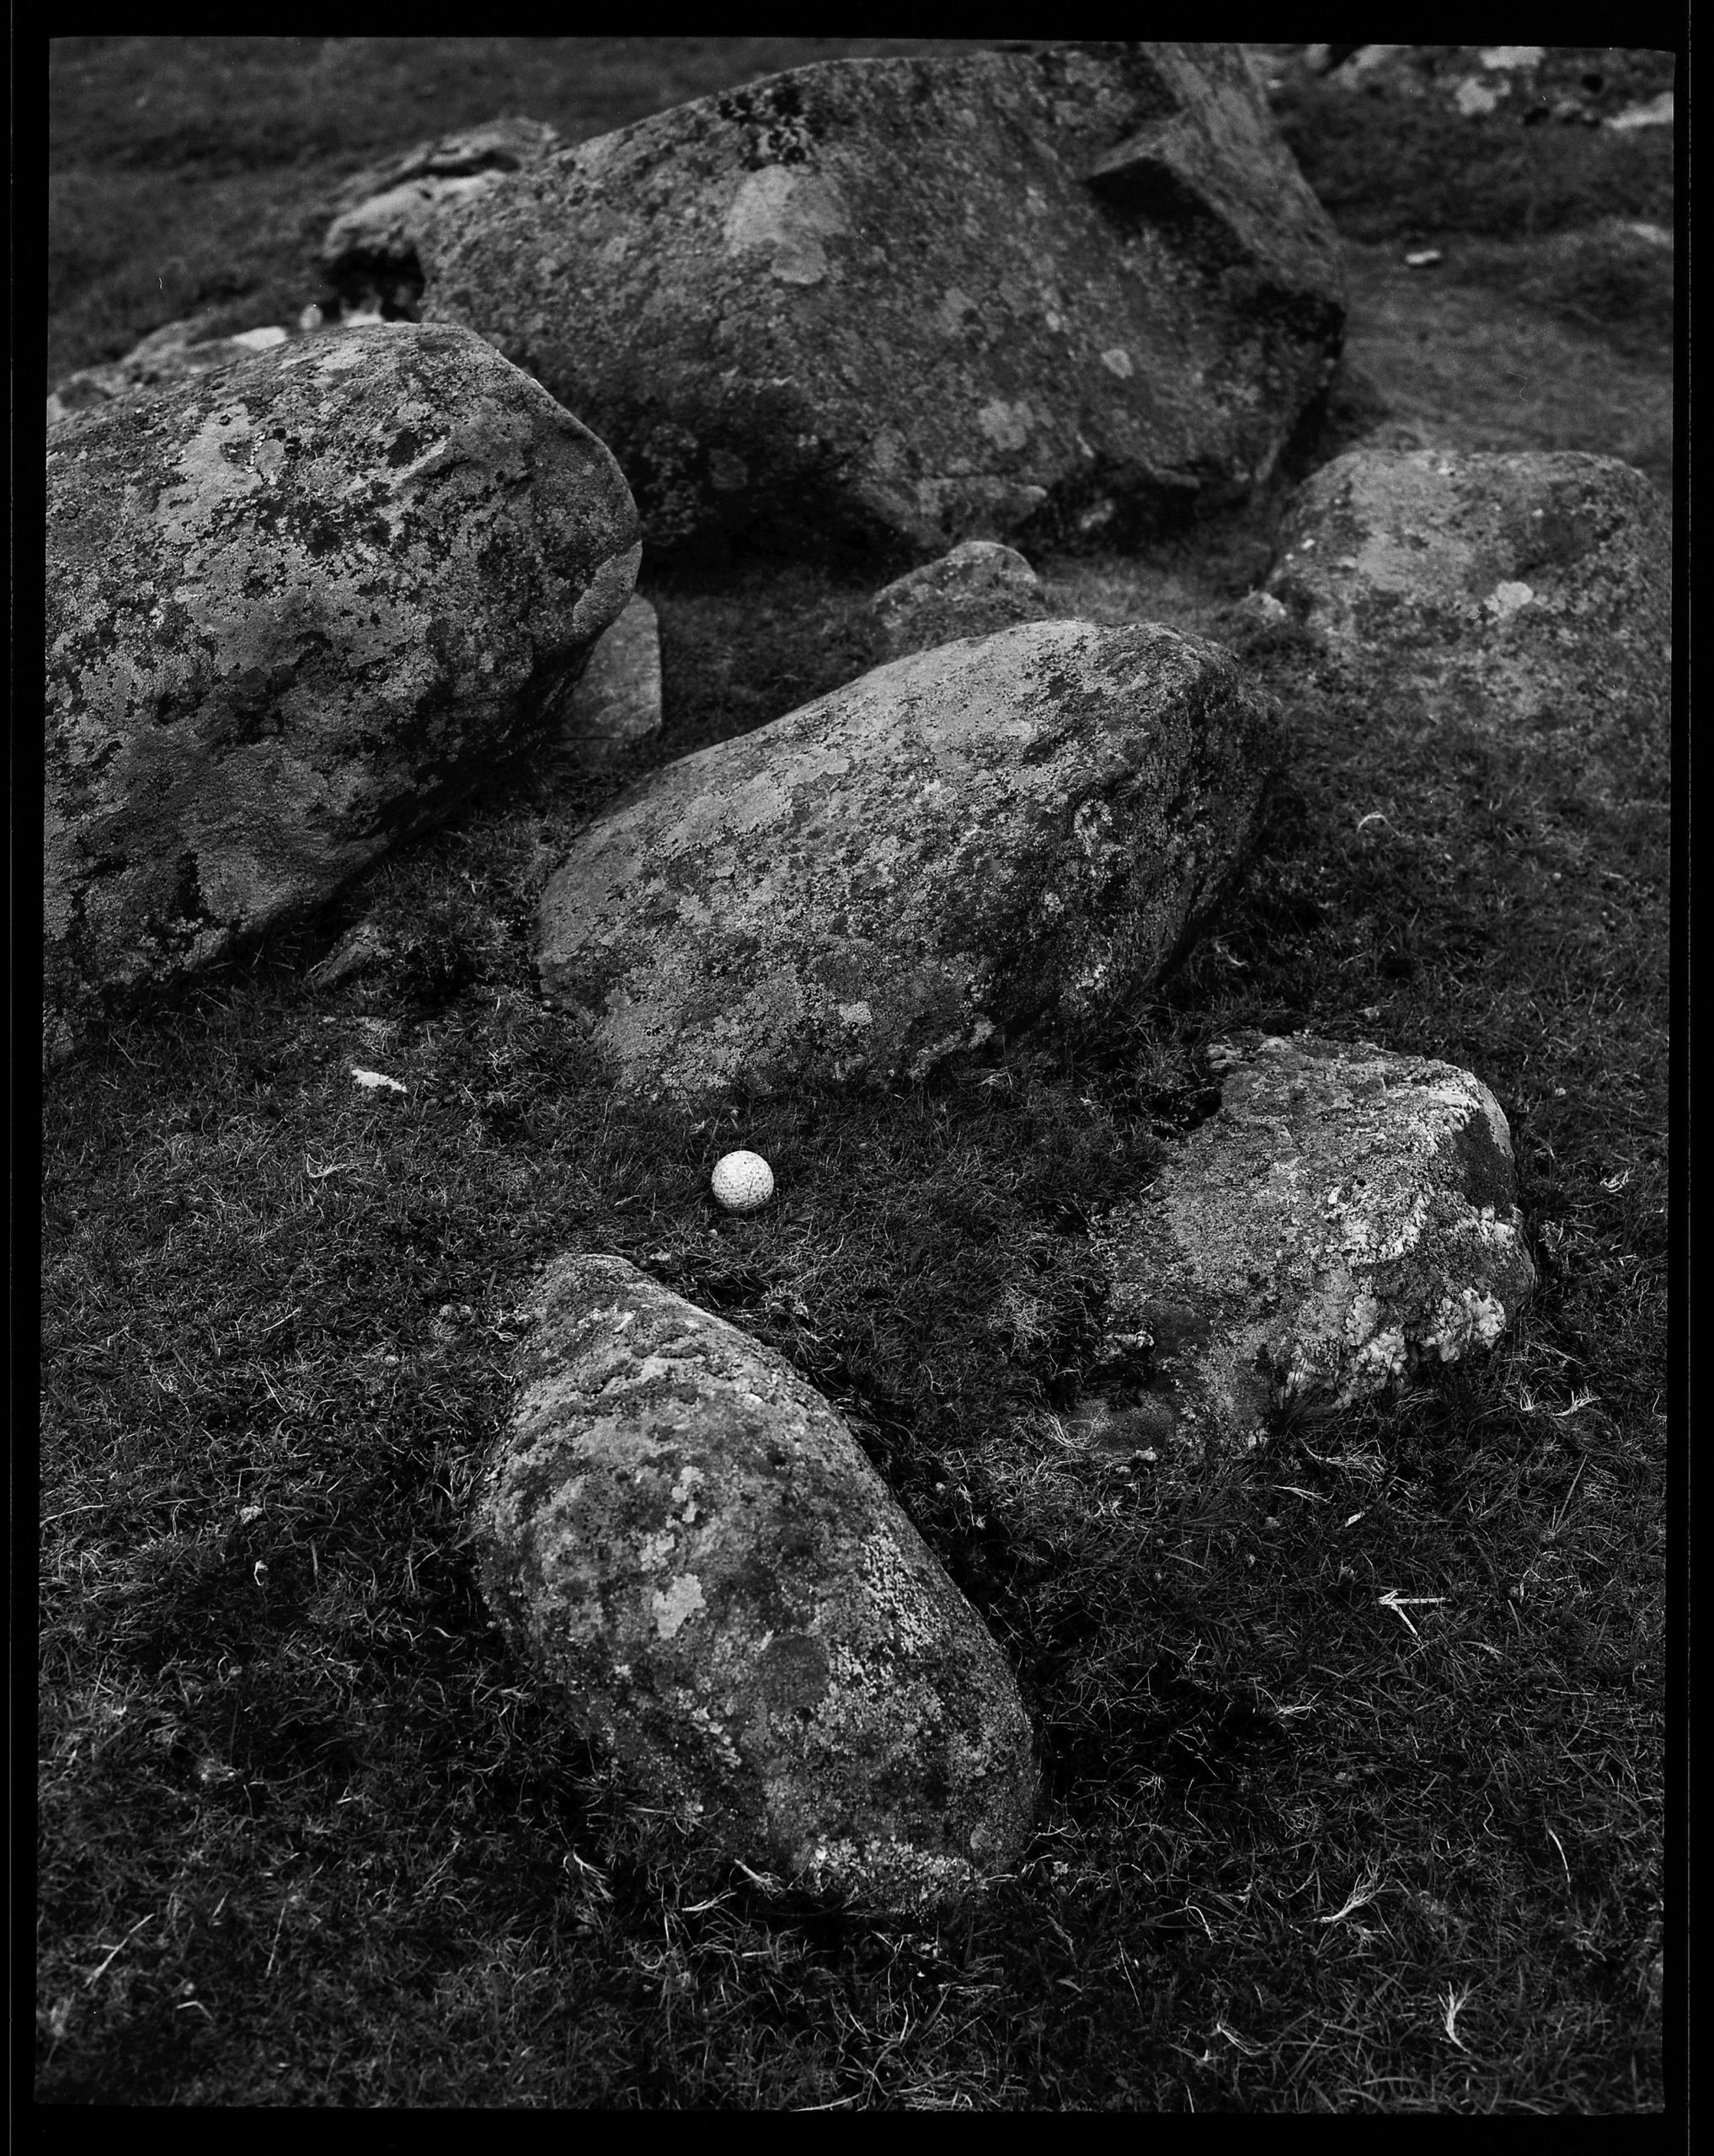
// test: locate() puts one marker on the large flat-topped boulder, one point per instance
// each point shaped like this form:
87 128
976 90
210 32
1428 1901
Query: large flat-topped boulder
690 1549
1020 828
1527 593
294 611
897 303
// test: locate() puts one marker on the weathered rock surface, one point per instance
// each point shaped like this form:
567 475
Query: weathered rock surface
370 251
1026 827
978 587
1528 594
897 303
1347 1215
178 352
683 1538
293 613
618 702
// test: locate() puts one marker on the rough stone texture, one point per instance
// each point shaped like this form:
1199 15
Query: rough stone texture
896 303
293 613
1026 827
370 251
617 702
178 352
1528 594
684 1540
976 589
1347 1214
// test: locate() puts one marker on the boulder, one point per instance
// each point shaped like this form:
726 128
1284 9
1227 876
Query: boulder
294 612
892 304
1347 1216
1023 828
617 702
688 1545
1529 595
979 587
369 252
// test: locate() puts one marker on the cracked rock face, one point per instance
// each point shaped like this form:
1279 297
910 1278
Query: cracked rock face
1527 593
1023 828
294 611
1347 1215
893 304
683 1538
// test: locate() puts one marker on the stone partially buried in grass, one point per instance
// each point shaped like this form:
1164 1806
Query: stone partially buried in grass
1347 1216
294 613
685 1541
1026 828
1529 595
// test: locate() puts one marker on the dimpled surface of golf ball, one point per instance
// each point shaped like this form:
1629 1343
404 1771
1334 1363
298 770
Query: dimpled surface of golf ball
743 1181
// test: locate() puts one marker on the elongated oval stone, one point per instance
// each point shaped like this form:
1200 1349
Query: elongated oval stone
684 1540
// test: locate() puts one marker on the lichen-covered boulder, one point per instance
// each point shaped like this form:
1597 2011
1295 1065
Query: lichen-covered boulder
1528 594
1021 828
1347 1214
688 1545
979 587
893 304
293 613
370 250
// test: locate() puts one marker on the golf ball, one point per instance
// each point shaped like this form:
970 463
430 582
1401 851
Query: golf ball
742 1181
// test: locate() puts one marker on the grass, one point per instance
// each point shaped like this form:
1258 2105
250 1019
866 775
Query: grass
307 1835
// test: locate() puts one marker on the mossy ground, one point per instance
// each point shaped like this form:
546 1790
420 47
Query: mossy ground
307 1836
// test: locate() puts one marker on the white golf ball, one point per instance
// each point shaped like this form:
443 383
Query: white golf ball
742 1181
